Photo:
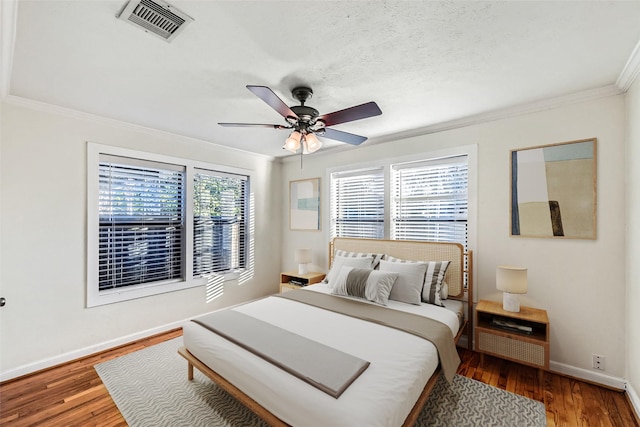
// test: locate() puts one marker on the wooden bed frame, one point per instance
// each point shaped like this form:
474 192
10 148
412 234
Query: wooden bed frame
409 250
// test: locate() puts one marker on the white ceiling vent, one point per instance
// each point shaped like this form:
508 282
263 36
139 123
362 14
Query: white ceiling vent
156 17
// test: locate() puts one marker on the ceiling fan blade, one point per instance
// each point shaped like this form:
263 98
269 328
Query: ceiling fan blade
338 135
254 125
268 96
358 112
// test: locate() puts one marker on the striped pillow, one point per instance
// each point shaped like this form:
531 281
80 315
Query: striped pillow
347 254
371 285
431 292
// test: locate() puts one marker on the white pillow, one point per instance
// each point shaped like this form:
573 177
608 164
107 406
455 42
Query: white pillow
341 261
408 286
372 285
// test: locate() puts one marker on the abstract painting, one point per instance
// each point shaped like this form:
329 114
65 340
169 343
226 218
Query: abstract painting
553 190
304 202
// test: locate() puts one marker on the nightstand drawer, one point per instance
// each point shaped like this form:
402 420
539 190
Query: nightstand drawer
523 351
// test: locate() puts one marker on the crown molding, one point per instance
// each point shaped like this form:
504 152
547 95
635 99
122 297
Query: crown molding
505 113
55 109
630 70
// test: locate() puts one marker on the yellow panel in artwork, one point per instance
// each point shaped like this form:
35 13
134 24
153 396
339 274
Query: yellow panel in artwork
570 183
535 220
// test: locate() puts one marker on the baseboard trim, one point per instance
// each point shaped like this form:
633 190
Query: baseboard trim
587 375
634 399
83 352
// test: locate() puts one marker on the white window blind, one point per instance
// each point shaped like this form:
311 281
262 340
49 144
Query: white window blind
141 230
357 204
429 200
219 222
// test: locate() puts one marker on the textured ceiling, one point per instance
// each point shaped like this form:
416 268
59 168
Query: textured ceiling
424 63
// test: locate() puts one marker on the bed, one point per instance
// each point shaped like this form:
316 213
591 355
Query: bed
401 368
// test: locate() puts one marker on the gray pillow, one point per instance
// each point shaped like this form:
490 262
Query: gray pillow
371 285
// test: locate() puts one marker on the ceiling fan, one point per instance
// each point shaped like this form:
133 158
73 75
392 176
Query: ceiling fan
306 122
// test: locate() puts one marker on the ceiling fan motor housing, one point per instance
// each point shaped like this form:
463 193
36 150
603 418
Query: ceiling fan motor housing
302 93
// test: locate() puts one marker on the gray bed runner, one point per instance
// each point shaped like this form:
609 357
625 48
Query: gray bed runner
436 332
324 367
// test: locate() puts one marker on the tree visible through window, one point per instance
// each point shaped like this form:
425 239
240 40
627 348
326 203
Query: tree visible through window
219 222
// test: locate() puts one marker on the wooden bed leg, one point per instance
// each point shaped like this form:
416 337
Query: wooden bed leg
190 372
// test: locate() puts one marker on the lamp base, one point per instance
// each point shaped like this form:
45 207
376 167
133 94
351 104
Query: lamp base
510 302
303 268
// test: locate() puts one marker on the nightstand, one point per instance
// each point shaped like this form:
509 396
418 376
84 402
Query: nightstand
530 349
291 280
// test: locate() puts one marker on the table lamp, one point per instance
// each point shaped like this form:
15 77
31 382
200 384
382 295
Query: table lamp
511 281
303 258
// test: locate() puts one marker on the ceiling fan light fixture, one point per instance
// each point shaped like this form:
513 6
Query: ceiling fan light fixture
293 142
311 143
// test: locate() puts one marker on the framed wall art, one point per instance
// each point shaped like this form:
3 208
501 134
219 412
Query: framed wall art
553 190
304 204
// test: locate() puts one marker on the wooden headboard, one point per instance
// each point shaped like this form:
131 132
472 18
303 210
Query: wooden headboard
412 250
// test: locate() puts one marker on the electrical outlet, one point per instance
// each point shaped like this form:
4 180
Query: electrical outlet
598 362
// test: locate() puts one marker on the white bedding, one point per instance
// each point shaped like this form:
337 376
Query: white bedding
383 395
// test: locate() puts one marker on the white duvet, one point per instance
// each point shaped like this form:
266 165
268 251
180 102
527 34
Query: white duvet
382 396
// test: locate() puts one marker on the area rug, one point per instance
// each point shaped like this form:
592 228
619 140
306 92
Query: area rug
150 388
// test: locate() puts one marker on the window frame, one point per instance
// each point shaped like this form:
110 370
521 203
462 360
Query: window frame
471 151
95 297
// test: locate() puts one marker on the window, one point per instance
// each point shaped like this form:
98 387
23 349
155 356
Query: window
159 224
141 215
357 204
219 226
429 200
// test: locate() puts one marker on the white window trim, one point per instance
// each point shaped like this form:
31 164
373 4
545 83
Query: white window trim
471 151
96 297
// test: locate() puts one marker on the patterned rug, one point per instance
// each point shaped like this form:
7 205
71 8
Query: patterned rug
150 388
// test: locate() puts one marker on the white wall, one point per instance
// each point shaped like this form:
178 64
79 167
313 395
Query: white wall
43 227
579 282
633 242
42 224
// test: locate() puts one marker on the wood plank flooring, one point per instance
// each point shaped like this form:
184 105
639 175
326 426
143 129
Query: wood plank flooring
73 395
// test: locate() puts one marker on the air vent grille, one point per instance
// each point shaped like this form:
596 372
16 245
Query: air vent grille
156 17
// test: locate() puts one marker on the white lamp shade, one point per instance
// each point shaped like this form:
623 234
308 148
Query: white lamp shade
511 279
312 143
293 142
303 256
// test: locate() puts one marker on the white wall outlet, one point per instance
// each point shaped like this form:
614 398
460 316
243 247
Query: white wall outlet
598 362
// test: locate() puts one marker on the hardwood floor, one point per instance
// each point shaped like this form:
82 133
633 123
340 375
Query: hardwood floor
73 395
